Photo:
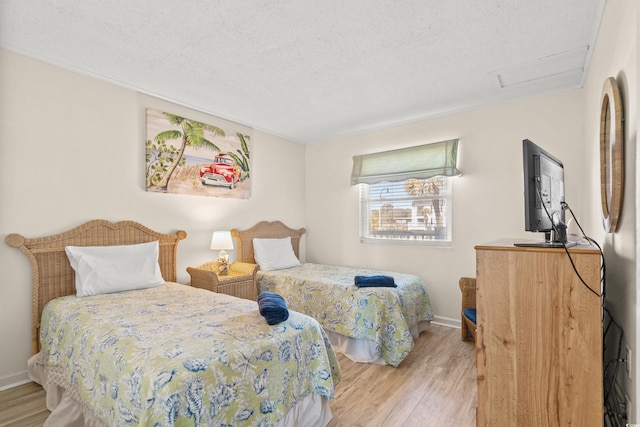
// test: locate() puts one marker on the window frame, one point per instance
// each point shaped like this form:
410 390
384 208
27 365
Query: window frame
423 163
366 210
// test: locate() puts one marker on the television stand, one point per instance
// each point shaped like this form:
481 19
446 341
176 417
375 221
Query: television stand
552 239
546 244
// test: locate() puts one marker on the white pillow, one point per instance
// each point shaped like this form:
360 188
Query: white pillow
108 269
274 254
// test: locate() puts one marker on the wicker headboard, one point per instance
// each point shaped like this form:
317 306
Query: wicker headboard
265 230
53 276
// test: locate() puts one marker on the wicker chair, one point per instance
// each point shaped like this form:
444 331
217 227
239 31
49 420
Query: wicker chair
467 313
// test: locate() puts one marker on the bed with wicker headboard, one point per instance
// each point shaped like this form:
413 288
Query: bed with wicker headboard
165 353
53 276
373 324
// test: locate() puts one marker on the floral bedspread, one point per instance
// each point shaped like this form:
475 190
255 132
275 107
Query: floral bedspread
174 355
328 294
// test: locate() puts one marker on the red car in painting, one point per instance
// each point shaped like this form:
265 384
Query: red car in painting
222 172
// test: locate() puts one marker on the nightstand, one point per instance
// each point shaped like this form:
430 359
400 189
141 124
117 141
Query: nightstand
240 282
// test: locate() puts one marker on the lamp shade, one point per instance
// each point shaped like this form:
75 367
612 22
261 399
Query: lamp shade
221 240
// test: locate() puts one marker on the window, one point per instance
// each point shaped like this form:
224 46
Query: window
405 195
417 210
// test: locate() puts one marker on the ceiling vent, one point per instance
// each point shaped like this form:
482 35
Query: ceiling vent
565 69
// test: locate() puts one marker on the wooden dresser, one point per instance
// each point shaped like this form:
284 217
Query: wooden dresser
539 336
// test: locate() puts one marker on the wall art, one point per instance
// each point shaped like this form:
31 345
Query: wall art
186 156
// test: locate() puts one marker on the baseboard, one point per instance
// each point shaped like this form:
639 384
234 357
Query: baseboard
446 321
14 380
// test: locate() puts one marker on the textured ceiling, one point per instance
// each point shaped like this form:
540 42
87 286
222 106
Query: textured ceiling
315 70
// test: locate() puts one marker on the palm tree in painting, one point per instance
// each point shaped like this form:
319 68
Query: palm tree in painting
242 156
192 134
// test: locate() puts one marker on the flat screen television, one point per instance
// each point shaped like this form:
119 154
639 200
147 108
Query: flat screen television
544 202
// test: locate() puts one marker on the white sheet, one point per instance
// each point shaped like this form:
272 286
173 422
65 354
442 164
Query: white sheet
364 351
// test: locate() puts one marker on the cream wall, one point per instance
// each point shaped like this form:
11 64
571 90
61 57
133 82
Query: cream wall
616 55
488 200
72 149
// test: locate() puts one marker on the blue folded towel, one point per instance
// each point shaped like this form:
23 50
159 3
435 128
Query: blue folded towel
375 281
273 307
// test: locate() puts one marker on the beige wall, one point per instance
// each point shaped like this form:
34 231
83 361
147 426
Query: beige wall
72 149
488 201
616 55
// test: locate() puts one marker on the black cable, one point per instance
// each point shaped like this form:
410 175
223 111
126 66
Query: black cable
564 245
607 393
618 357
603 268
611 408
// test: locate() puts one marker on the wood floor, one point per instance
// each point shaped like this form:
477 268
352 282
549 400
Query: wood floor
23 406
434 386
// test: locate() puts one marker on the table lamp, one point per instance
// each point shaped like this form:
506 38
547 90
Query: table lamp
221 240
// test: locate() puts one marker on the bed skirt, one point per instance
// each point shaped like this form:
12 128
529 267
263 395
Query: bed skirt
67 411
364 351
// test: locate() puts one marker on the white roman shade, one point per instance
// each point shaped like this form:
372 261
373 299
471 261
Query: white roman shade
420 162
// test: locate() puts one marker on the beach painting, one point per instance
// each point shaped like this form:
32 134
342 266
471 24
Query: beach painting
186 156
